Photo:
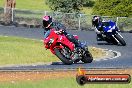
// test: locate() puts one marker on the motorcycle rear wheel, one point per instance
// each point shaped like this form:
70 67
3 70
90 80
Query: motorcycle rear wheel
87 58
64 59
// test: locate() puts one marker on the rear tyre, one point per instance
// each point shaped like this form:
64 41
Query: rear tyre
87 58
65 60
108 41
120 39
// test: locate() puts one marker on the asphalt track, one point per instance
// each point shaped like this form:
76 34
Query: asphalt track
123 61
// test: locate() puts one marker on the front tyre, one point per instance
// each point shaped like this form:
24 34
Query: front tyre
87 58
64 59
81 80
120 39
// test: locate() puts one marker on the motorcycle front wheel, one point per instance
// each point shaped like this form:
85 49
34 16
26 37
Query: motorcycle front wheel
62 57
120 39
81 80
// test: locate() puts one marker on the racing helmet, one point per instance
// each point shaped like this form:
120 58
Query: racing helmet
96 20
47 21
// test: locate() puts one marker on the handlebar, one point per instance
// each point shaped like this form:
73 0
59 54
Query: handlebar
59 32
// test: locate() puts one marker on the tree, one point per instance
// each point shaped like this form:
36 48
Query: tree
66 5
113 7
88 3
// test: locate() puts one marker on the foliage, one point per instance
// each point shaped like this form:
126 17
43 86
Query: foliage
88 3
113 7
44 5
66 5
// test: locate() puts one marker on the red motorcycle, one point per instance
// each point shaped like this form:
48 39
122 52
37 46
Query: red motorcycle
65 50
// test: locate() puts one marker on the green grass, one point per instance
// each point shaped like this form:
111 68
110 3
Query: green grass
29 4
87 10
14 50
1 3
59 83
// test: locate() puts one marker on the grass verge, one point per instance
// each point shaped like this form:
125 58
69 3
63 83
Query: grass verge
65 79
29 4
60 83
14 50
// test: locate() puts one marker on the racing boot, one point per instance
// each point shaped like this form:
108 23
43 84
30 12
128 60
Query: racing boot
77 43
99 37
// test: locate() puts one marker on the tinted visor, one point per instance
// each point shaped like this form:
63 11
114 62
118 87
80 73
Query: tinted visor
45 23
95 22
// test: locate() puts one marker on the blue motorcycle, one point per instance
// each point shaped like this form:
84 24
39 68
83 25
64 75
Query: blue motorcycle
111 33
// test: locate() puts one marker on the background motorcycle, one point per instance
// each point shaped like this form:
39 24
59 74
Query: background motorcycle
111 33
65 50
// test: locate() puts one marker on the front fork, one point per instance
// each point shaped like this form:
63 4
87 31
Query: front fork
119 34
115 37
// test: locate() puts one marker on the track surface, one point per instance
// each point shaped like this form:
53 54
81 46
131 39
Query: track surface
124 61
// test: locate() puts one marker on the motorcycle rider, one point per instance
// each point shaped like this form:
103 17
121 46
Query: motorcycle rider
48 24
97 23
